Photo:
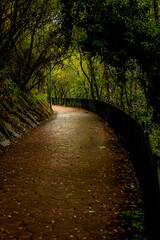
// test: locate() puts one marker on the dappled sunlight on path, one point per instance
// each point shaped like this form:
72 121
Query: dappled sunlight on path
67 179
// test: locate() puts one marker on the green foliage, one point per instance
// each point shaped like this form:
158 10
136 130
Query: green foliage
155 137
40 96
135 227
30 40
118 31
12 86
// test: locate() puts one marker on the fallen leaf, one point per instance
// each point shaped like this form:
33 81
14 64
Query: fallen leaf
91 211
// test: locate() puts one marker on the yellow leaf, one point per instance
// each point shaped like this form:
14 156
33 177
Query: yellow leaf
91 211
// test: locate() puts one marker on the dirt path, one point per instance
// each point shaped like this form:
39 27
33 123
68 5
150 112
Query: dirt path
66 179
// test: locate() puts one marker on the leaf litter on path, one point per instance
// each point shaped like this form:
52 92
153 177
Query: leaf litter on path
68 179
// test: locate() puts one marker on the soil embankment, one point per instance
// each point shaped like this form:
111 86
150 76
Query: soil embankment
18 113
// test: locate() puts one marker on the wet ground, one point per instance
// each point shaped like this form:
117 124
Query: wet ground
67 179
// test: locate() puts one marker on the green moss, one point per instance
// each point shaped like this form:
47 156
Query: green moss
3 128
42 97
23 102
2 137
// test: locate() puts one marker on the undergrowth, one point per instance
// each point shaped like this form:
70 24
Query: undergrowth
135 223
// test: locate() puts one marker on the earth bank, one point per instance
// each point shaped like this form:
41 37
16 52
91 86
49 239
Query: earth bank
18 113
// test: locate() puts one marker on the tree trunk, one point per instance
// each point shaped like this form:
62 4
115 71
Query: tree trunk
106 80
93 79
156 10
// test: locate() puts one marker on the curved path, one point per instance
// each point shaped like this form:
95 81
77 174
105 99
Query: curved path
66 179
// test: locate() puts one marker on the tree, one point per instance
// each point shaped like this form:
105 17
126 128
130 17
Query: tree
14 20
119 31
156 10
32 38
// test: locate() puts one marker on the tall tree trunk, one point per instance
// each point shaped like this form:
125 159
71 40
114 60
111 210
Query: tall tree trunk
156 10
106 80
90 81
85 88
93 79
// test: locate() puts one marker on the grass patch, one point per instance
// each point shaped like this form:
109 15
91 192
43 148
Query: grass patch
40 96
